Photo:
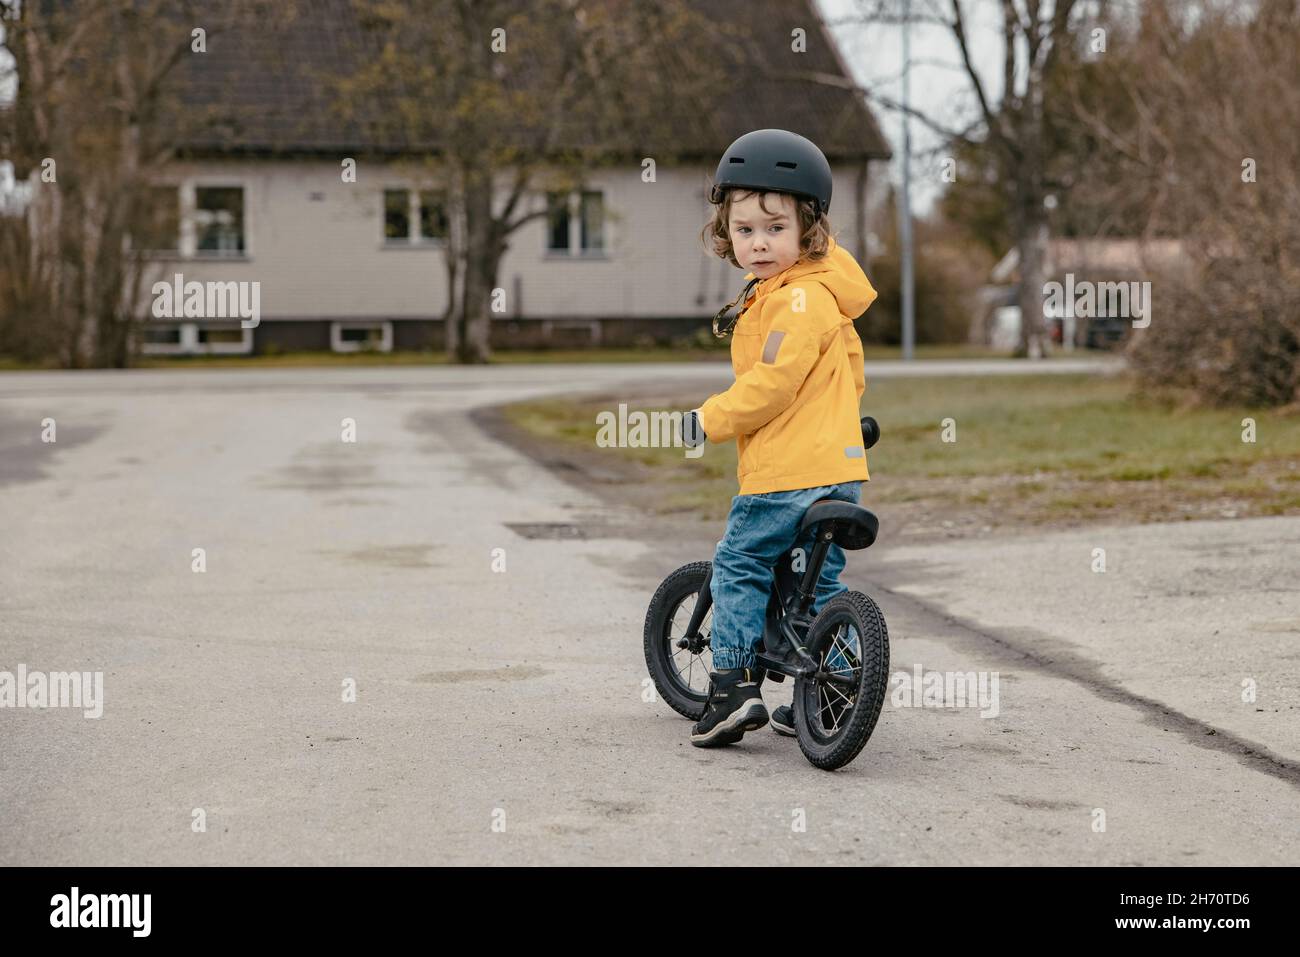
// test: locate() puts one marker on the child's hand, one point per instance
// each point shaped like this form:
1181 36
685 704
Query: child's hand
692 432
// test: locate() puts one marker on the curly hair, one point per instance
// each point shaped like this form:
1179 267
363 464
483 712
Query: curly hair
814 228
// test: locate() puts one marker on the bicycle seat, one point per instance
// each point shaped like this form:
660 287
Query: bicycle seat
852 526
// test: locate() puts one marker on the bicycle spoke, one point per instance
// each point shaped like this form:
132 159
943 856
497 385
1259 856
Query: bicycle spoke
835 709
676 627
850 668
835 720
830 711
845 653
687 674
828 708
831 687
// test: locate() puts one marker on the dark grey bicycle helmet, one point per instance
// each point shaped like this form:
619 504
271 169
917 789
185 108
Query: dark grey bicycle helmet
775 160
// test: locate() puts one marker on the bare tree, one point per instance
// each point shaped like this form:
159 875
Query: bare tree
1215 143
1011 123
96 117
505 98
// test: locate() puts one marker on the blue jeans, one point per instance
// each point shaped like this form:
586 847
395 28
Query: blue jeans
761 530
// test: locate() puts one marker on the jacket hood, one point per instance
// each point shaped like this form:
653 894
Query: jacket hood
839 272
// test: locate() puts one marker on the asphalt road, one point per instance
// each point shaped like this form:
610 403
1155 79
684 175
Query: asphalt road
498 713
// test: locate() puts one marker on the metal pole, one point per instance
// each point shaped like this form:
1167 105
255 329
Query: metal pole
905 214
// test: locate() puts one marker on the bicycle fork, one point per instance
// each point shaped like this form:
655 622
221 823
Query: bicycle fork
704 601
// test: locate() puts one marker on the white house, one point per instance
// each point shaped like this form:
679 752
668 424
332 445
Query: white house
349 265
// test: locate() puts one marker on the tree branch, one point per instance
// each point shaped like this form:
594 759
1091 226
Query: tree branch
846 83
958 27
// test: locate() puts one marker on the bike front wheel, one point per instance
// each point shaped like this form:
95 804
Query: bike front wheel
836 709
680 674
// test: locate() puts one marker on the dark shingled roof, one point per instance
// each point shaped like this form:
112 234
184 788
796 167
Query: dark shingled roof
269 95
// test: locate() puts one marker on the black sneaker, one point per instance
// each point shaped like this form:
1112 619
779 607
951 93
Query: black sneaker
735 706
783 720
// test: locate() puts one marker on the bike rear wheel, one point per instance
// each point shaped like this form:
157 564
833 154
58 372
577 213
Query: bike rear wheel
836 710
680 675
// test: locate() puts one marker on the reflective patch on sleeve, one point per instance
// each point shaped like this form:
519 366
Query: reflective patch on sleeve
854 452
772 346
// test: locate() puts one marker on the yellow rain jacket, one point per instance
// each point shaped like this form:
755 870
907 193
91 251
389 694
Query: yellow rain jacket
794 409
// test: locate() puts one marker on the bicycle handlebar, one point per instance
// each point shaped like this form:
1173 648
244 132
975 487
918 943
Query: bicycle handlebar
870 431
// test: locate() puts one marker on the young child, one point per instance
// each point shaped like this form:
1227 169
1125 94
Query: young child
793 409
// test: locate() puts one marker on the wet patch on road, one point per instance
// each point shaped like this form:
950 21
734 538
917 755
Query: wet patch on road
573 531
454 433
1283 624
1041 804
327 467
517 673
25 458
617 809
391 556
546 530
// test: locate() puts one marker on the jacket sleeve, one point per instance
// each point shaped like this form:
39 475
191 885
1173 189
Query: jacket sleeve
763 392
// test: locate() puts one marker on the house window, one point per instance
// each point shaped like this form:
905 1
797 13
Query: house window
433 215
557 222
191 338
397 215
161 335
209 335
415 217
583 234
229 339
374 336
593 222
219 220
160 221
156 339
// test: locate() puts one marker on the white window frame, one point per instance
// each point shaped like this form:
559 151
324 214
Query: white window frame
413 238
574 209
189 338
190 345
190 226
241 348
338 344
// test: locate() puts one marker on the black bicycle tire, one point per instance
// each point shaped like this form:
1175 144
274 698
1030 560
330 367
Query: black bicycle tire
873 683
672 591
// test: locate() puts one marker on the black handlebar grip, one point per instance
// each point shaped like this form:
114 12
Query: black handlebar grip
870 432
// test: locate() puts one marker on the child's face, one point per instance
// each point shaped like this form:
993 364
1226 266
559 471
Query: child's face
765 243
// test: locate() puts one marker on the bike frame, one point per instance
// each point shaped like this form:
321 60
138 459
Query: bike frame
788 618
